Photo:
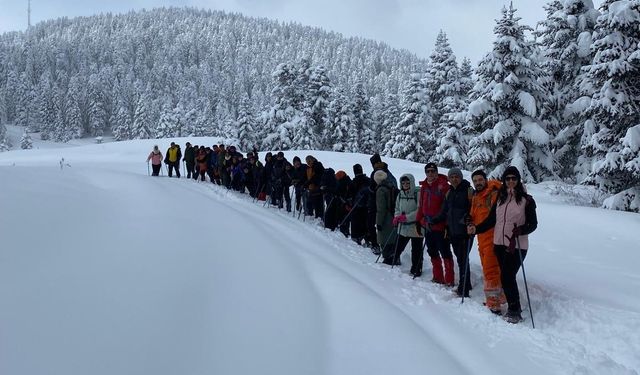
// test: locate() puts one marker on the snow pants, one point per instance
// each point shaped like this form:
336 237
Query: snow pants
490 271
509 266
156 169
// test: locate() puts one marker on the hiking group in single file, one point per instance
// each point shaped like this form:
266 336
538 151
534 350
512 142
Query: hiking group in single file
444 213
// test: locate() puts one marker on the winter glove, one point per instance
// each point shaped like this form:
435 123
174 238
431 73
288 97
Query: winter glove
402 218
379 227
517 231
348 207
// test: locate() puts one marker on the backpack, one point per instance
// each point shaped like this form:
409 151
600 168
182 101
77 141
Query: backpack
393 196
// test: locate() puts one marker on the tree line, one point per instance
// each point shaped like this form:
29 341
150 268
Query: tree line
559 101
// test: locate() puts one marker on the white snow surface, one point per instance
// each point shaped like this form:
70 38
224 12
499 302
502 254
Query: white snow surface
104 270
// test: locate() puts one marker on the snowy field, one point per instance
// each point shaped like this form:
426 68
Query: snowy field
104 270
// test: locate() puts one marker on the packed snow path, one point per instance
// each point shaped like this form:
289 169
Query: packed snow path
104 270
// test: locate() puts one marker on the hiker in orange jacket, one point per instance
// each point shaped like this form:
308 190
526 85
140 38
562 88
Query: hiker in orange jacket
484 197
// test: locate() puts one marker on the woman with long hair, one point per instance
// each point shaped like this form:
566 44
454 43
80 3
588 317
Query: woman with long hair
513 218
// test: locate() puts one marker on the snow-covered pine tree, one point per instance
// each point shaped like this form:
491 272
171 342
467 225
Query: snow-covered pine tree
361 120
337 138
442 77
123 124
141 123
614 75
317 100
72 121
166 123
97 107
413 140
26 143
390 117
4 142
504 114
280 116
246 126
466 76
564 38
452 143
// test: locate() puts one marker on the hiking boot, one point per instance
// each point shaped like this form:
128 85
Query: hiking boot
375 249
513 317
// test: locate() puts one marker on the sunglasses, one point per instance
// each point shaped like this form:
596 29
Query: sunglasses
405 182
511 178
431 171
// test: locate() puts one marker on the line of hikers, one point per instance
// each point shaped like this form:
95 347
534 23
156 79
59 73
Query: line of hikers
444 212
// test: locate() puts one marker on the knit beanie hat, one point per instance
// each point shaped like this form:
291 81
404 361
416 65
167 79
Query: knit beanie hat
357 169
375 159
379 176
455 172
431 166
296 159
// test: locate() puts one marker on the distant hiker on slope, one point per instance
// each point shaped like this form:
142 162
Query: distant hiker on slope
156 160
172 159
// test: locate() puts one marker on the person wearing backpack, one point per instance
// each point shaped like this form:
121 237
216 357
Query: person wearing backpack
343 206
406 208
378 165
189 159
156 160
298 175
455 213
359 198
432 192
172 159
385 205
513 218
312 184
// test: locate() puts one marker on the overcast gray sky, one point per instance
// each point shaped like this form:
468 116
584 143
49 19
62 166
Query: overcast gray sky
409 24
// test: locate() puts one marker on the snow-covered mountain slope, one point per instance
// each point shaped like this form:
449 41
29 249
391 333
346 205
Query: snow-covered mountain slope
104 270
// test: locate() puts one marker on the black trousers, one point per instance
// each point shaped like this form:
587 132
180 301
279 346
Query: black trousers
461 250
437 245
509 267
417 256
174 165
359 223
315 205
156 169
190 168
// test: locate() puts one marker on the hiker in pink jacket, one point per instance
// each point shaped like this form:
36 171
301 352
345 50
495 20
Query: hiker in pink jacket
513 218
156 160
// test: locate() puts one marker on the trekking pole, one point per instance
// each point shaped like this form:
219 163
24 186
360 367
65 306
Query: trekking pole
526 287
292 191
395 251
351 211
385 245
466 268
257 193
148 170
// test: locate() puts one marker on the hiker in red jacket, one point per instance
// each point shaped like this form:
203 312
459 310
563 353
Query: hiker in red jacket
432 193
